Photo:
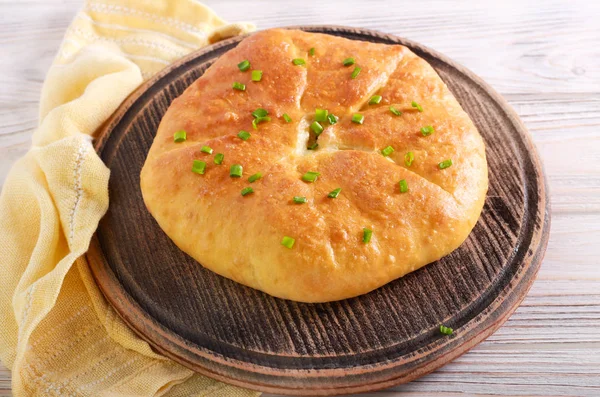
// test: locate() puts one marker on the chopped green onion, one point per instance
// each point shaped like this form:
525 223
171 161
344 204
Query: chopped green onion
332 118
416 105
244 135
395 111
367 233
314 146
219 158
198 167
206 149
427 130
310 176
244 65
409 158
260 112
256 75
321 115
358 118
255 177
299 62
259 120
446 330
375 99
311 52
355 72
348 61
387 151
247 190
403 186
445 164
236 171
239 86
288 242
180 136
334 193
316 127
287 118
299 199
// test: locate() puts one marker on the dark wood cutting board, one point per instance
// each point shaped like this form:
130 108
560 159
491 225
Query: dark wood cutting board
389 336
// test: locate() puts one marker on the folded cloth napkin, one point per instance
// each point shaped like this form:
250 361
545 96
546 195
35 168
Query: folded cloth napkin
57 332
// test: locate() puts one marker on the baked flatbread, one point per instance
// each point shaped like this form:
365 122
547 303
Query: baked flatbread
248 238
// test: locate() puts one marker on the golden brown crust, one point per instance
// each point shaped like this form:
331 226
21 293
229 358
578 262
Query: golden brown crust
239 237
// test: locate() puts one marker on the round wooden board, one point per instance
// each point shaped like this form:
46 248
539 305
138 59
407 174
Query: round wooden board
389 336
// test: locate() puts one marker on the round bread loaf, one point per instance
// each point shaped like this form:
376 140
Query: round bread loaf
411 166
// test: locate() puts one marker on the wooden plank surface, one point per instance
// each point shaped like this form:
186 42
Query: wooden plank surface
541 55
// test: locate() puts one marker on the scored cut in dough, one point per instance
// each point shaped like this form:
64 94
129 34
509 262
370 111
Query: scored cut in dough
240 237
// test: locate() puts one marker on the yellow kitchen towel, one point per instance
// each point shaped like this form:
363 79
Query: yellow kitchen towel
57 332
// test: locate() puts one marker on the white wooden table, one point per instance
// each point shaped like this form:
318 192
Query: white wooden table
543 56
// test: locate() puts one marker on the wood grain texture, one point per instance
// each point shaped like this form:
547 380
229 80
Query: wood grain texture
542 56
389 336
4 381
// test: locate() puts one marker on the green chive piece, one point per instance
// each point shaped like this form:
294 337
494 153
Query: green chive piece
332 118
198 167
255 177
299 62
244 65
348 61
247 190
287 118
387 151
180 136
314 146
355 72
244 135
416 106
299 199
358 118
310 176
206 149
219 158
334 193
427 130
409 158
321 115
316 127
236 171
260 112
259 120
445 164
288 242
403 186
256 75
446 330
311 52
239 86
367 233
375 99
395 111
